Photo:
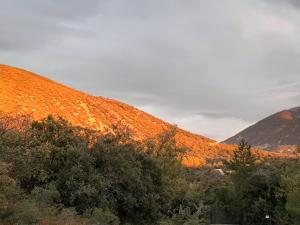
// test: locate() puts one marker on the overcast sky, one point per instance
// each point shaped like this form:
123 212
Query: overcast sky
210 66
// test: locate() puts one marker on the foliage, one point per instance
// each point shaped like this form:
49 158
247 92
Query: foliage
291 182
113 179
258 189
52 173
185 216
243 160
104 217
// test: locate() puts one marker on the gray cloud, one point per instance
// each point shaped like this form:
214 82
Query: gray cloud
192 62
27 25
286 3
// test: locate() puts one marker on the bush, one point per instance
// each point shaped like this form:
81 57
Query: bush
52 173
185 216
59 166
104 217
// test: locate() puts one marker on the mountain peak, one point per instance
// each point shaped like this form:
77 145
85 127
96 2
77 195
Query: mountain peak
274 132
286 115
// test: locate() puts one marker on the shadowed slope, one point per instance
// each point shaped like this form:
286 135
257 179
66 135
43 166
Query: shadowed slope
273 132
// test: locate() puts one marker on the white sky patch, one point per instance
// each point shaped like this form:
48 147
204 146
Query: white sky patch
283 87
217 128
286 94
213 127
269 24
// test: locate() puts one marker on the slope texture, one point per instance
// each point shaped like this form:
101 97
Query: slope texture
274 132
23 92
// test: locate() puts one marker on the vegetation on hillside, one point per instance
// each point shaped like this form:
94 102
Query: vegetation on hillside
23 92
52 173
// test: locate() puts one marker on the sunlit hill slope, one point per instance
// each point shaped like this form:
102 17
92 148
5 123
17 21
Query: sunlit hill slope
23 92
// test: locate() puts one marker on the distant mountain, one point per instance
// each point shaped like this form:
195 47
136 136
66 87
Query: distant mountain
278 131
23 92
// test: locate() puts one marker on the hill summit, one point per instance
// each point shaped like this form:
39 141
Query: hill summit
23 92
275 132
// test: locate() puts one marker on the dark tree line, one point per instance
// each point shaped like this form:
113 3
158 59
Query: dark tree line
54 173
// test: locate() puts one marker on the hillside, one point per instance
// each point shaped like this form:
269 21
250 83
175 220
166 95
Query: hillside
25 93
278 131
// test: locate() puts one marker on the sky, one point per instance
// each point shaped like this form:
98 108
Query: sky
212 67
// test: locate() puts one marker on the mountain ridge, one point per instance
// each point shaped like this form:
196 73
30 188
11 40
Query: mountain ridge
23 92
273 132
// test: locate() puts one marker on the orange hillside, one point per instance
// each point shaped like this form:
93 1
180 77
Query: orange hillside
23 92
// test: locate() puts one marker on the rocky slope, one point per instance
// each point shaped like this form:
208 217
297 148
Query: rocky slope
278 131
25 93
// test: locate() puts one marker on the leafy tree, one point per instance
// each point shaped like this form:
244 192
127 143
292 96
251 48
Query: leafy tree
185 216
53 173
258 189
291 182
57 132
104 217
243 160
140 186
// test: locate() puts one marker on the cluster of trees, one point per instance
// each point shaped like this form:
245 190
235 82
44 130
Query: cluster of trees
54 173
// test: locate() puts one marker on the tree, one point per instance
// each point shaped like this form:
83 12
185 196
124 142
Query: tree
258 189
298 148
291 182
243 159
143 180
185 216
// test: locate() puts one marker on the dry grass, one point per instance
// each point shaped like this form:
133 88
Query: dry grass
23 92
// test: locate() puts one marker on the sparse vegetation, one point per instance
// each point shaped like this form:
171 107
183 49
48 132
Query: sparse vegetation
53 173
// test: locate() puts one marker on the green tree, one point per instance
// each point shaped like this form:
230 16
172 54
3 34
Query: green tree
291 182
143 182
258 189
186 216
243 160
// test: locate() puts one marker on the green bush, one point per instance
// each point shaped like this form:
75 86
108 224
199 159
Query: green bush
53 173
104 217
185 216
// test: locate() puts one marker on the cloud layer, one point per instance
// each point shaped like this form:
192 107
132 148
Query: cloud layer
210 66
